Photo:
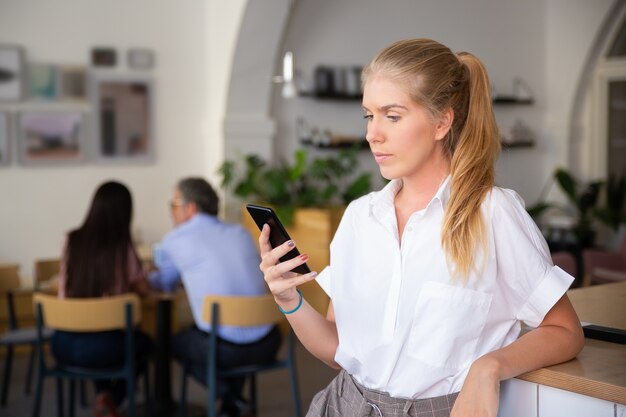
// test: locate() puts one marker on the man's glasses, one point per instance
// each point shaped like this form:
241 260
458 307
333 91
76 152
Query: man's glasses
176 203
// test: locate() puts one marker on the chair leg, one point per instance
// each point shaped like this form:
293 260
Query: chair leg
212 403
38 394
295 390
8 362
131 394
29 370
182 407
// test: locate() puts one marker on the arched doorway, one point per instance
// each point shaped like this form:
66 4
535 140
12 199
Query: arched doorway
598 123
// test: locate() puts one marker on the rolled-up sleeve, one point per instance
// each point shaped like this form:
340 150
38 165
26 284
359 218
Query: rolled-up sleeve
533 284
545 296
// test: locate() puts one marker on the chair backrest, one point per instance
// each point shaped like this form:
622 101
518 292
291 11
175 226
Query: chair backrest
9 278
565 261
46 269
87 314
242 310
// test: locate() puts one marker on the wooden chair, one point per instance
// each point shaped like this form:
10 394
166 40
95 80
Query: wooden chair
15 335
241 311
45 270
122 312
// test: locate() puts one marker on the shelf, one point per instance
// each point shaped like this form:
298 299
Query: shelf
360 144
336 97
510 100
519 144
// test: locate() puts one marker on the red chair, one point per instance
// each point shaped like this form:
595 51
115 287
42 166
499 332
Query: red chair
565 261
602 267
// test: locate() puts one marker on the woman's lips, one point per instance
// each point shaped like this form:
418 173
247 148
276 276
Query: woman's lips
380 157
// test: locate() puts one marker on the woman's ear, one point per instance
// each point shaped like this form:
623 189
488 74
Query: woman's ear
443 125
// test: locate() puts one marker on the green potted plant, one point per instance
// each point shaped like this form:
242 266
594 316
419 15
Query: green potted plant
582 197
309 196
613 213
321 182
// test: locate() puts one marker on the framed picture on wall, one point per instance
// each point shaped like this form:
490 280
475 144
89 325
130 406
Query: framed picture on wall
72 82
124 110
4 138
51 136
11 73
43 81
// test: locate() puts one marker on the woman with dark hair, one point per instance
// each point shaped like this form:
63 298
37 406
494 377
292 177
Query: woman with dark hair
99 260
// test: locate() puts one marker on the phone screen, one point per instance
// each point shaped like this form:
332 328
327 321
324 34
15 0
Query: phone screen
278 235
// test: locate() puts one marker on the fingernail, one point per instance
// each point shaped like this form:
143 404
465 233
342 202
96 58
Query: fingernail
313 274
304 257
291 243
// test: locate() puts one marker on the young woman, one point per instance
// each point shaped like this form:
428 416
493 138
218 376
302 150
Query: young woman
430 277
99 260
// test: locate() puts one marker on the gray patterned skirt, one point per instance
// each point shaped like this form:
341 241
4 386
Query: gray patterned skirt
344 397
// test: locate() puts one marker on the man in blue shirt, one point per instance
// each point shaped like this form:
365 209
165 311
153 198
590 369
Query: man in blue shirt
212 257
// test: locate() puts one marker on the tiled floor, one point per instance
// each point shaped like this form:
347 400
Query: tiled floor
274 391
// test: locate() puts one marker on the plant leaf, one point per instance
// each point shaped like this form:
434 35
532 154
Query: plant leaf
537 210
568 185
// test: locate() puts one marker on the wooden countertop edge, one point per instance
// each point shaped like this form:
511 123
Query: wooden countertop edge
580 385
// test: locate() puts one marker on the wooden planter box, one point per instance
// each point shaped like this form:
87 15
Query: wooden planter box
312 230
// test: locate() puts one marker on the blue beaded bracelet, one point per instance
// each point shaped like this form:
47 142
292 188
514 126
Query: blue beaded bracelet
295 309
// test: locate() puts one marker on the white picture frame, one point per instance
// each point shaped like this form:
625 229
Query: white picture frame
72 81
49 137
123 106
11 73
5 147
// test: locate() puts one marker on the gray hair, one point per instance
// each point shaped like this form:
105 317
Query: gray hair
200 192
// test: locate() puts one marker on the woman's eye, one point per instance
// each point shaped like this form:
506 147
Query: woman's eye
393 118
368 117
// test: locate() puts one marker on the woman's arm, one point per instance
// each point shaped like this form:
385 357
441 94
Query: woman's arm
140 287
558 338
316 332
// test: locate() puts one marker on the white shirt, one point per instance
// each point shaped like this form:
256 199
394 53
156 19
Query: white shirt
405 326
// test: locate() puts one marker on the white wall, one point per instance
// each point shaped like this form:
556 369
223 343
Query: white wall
544 42
193 43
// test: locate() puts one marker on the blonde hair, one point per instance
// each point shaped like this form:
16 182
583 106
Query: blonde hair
439 80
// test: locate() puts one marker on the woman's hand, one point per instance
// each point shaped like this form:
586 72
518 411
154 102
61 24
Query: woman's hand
278 276
480 394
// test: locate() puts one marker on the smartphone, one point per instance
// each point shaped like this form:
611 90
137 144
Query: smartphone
278 235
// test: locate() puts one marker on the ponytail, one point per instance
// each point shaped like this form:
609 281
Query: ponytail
474 154
440 80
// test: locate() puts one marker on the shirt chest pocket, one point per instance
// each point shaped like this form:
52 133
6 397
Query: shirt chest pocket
447 324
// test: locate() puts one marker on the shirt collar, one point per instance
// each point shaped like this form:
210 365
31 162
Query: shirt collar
382 200
200 218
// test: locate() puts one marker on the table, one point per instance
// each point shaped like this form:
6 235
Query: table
162 315
599 371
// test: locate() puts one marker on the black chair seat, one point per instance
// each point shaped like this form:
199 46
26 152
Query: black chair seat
23 336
